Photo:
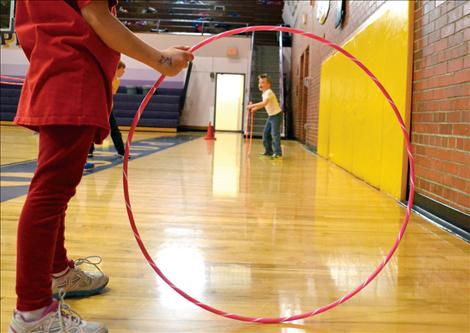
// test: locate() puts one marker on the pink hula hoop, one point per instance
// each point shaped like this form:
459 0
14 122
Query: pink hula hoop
320 309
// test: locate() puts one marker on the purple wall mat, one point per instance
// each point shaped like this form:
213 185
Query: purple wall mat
141 83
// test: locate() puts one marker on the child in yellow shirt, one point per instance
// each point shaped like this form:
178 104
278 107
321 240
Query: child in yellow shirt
272 129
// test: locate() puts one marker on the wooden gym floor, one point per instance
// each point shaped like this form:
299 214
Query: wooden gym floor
248 235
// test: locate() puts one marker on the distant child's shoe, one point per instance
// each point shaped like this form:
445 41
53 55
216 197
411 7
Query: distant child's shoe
89 166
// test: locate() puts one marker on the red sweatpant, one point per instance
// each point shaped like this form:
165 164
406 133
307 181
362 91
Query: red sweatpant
40 247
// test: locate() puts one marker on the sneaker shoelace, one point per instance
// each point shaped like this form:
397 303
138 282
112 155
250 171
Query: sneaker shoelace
66 314
91 260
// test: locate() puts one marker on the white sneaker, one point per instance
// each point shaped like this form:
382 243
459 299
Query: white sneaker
78 283
58 318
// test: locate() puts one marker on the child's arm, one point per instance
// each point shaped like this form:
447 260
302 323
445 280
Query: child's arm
114 34
115 85
257 106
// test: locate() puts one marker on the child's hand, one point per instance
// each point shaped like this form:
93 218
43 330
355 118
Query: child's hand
173 60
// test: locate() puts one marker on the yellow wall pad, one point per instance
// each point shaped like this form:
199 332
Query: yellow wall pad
357 127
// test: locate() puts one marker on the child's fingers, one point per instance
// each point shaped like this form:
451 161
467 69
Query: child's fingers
182 47
185 60
189 56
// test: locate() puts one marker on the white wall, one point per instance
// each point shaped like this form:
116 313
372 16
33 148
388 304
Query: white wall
13 61
293 12
201 91
200 98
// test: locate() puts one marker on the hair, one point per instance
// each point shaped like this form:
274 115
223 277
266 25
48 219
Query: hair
265 77
121 65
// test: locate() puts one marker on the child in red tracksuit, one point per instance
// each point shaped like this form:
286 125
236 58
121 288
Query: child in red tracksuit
73 47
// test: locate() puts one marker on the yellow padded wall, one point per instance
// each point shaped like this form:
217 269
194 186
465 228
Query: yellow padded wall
357 127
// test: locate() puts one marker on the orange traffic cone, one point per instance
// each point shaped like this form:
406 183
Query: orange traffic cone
210 132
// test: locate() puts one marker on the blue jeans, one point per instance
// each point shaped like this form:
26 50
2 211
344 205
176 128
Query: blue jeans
272 134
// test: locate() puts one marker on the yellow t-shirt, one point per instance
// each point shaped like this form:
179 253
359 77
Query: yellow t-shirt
272 108
116 83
